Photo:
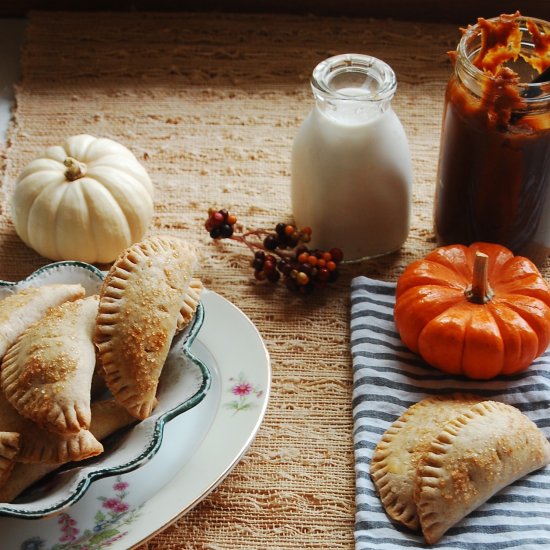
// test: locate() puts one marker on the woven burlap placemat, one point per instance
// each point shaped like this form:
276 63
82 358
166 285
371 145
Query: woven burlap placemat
210 104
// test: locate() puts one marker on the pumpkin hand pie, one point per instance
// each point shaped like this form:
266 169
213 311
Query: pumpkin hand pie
396 456
9 449
190 303
20 310
445 456
39 445
107 418
476 455
46 375
146 296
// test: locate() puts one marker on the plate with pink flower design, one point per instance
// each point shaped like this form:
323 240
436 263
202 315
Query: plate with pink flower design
219 431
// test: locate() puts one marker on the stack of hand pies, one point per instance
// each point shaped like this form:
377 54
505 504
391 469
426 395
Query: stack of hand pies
60 349
447 455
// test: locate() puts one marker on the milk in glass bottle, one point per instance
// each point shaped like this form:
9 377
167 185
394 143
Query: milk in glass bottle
351 167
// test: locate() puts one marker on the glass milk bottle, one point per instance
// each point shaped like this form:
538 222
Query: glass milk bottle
351 167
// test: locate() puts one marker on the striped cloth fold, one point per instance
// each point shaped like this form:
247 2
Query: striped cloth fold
388 378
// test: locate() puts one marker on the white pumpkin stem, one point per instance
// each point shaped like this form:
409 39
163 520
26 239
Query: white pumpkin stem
480 291
75 169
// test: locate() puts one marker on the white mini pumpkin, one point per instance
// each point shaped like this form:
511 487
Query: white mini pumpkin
87 200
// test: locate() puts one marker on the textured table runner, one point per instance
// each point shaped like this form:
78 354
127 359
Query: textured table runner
210 104
388 378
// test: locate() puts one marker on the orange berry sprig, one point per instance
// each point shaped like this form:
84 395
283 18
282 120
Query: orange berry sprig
281 254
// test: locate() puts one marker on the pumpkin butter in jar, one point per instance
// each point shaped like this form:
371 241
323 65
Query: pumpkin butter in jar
493 180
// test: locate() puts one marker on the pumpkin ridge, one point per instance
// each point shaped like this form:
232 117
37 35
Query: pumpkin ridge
529 291
528 318
505 335
409 323
94 222
418 275
87 154
451 276
58 212
123 232
101 164
26 236
73 145
129 194
440 358
490 308
485 356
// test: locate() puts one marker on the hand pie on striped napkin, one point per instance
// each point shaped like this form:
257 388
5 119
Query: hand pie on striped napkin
146 296
396 457
46 375
453 469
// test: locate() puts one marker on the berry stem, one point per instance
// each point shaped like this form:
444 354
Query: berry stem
279 254
244 238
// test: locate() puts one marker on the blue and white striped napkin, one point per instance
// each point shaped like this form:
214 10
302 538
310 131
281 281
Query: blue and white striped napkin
388 378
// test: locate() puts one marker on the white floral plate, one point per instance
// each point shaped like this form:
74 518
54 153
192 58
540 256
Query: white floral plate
122 512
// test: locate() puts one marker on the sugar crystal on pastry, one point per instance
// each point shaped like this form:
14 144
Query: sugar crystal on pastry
20 310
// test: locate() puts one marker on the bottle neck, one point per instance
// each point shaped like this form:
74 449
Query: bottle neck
353 88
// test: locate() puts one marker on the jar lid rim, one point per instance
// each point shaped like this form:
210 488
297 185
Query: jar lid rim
473 31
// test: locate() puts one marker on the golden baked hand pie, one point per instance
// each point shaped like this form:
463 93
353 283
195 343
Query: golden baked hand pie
393 466
20 310
39 445
475 456
9 448
107 418
46 375
190 303
140 305
23 476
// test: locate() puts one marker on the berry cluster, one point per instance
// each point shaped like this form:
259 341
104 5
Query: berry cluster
286 236
281 254
220 224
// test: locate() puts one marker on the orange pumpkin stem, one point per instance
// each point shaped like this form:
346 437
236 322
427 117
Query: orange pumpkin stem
480 292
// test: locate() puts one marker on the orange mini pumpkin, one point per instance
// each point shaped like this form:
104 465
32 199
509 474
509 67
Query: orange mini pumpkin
477 311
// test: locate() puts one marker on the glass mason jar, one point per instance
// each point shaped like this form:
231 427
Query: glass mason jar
351 168
493 177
